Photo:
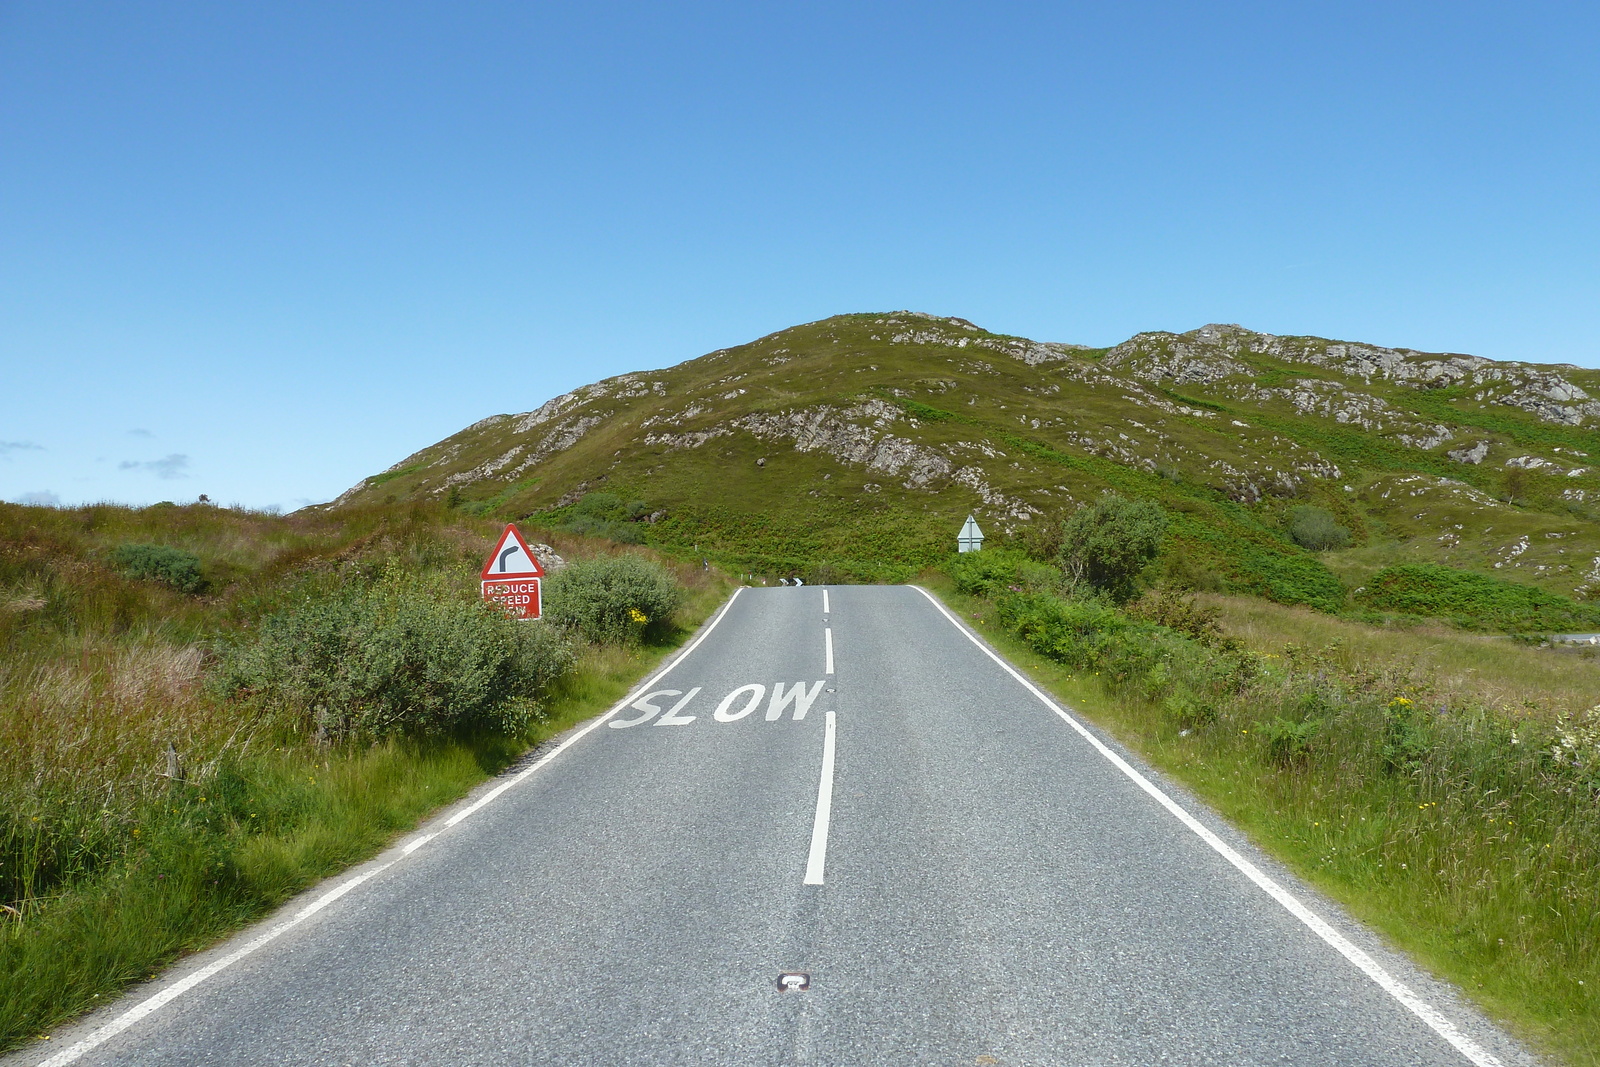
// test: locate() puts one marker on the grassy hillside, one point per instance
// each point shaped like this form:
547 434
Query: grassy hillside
853 447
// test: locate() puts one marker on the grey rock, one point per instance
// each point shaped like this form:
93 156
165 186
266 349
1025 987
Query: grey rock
547 556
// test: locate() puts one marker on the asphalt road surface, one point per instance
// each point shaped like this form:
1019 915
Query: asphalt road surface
836 830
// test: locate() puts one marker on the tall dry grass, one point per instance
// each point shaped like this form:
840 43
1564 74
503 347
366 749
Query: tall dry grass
142 813
92 734
1464 667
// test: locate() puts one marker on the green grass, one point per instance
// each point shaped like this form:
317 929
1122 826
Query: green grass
1463 667
1448 831
1453 405
109 868
1476 601
686 440
389 476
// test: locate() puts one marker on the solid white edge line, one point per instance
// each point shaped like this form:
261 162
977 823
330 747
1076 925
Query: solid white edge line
827 645
154 1003
1394 987
819 826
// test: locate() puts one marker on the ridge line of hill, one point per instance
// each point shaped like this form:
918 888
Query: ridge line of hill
856 441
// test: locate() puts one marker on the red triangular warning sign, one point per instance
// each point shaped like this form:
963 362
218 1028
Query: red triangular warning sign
512 558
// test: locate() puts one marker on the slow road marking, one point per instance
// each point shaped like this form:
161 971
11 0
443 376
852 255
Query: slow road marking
152 1004
732 707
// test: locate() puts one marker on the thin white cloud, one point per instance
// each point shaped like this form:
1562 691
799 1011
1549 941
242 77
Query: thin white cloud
137 432
174 466
8 447
42 499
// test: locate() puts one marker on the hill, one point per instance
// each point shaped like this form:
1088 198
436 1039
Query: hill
854 446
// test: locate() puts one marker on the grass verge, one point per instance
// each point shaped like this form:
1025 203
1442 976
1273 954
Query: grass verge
1460 855
193 860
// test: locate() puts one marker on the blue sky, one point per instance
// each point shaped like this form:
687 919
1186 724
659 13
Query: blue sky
261 250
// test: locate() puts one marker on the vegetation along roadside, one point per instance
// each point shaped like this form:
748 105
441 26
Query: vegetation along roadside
1466 829
207 710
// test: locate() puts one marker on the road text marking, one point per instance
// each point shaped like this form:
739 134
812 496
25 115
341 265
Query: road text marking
819 828
724 712
798 696
150 1005
1469 1048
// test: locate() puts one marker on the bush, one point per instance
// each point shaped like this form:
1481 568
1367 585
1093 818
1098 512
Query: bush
158 563
1405 740
403 656
992 571
1175 612
1474 600
1316 529
614 600
1189 712
607 515
1288 742
1296 579
1110 542
1085 634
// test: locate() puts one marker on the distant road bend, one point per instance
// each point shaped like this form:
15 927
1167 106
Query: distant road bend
836 829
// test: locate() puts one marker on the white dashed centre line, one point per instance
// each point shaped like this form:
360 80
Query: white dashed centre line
827 648
825 602
819 827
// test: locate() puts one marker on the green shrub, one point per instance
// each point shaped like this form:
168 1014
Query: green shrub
1288 742
1316 529
606 515
1175 612
159 563
1298 580
405 655
1474 600
1107 544
992 571
1086 634
614 600
1189 712
1405 740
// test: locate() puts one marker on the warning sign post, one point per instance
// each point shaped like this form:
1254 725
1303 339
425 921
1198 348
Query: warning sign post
511 576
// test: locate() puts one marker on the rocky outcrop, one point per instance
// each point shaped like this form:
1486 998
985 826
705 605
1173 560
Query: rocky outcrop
1551 398
920 328
1542 393
838 434
547 556
1330 400
1159 357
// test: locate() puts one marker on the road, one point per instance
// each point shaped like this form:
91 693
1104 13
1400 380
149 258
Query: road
840 785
